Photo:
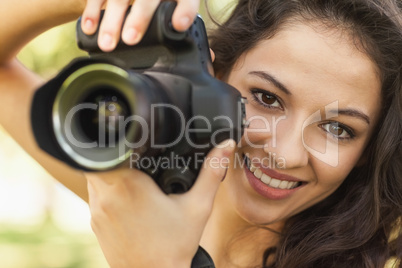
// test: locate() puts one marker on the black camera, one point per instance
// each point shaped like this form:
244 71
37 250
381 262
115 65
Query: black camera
154 106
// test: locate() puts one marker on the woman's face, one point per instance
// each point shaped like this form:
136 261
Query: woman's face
313 102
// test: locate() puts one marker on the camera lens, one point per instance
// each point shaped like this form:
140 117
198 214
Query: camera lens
91 115
103 114
106 124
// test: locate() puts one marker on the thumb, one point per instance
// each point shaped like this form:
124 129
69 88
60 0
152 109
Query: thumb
213 171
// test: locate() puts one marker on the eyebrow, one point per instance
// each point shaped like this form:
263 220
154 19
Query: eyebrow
353 113
271 79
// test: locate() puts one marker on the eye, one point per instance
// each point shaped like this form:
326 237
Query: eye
266 99
339 131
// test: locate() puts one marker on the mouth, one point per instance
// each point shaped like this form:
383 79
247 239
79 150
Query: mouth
271 181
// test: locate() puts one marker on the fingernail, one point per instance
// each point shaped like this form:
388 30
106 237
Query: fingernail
89 24
106 41
231 143
228 147
130 36
185 21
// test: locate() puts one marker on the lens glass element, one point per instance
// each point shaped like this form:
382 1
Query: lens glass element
107 124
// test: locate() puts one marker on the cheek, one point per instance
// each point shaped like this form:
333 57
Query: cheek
348 159
334 175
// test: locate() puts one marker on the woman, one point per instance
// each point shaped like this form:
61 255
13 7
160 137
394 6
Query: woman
315 181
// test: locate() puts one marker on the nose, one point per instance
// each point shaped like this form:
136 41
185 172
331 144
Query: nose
288 147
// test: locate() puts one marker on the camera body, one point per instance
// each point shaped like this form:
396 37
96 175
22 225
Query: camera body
154 106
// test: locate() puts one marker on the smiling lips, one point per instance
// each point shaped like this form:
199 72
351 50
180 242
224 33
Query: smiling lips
270 181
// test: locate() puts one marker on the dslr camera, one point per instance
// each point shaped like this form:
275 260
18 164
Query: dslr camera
154 106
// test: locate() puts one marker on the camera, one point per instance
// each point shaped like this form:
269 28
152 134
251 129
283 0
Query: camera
154 106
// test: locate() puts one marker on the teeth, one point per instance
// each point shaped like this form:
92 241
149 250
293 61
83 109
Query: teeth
265 178
274 183
253 168
258 173
293 184
284 184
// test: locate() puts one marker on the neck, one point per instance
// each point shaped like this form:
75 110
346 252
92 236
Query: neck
232 241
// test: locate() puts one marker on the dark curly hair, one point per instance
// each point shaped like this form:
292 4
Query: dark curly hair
359 225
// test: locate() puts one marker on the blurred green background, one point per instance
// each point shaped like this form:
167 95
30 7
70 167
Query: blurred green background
42 224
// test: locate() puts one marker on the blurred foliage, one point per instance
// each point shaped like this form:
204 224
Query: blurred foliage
51 51
46 246
42 225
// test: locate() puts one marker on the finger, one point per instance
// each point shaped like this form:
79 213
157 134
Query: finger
212 173
184 14
93 199
102 188
122 182
138 20
90 17
109 33
101 184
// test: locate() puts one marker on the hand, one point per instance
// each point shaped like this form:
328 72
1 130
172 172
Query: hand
137 225
136 23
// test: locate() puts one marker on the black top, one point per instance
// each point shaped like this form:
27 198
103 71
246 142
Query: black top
202 259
